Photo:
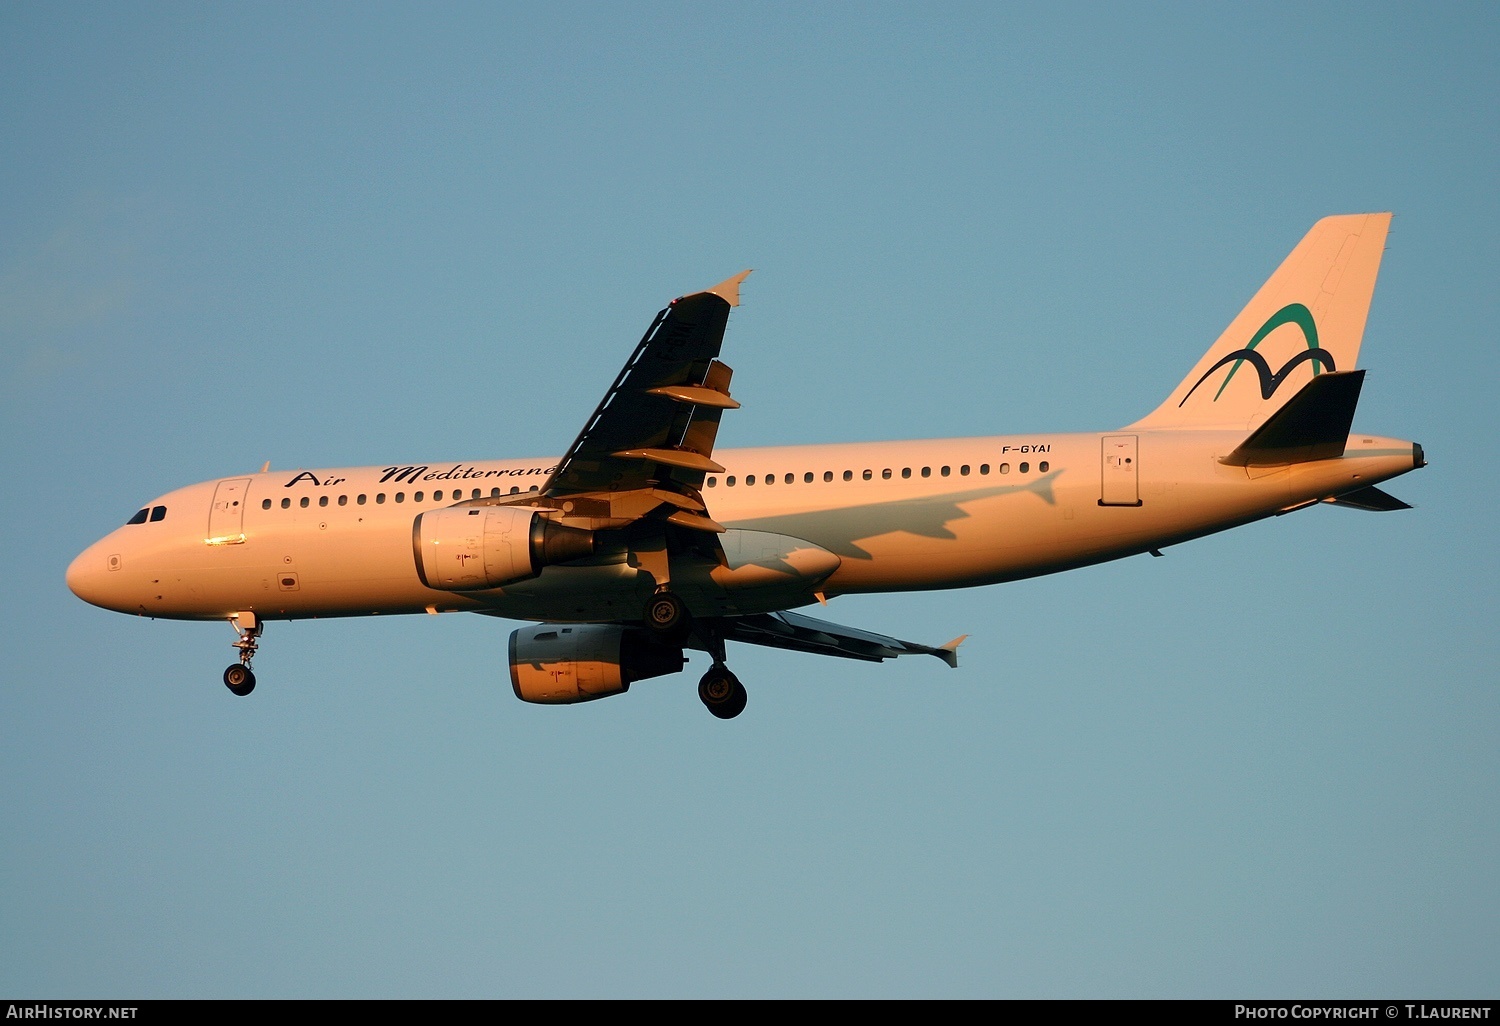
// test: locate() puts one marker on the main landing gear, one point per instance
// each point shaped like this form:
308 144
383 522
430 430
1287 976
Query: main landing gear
721 692
668 622
666 617
238 677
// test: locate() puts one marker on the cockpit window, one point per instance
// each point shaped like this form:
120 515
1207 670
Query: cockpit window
158 513
139 518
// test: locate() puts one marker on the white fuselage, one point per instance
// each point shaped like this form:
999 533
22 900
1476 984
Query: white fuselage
897 515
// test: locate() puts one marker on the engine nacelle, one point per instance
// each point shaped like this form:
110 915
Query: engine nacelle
463 548
555 664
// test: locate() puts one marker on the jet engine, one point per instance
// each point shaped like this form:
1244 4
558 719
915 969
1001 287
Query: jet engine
467 547
555 664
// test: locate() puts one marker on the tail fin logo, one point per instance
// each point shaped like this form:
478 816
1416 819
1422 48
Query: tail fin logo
1292 313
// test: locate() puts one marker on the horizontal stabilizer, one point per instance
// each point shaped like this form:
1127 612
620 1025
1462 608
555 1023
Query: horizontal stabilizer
1313 425
1370 498
804 634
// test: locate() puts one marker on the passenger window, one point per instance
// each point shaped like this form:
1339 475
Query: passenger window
1025 468
827 475
963 471
494 493
770 479
379 497
807 477
474 494
304 502
322 500
868 474
437 496
417 497
140 517
286 503
400 496
359 500
343 500
790 478
515 489
1042 466
265 504
729 481
984 468
946 471
848 475
926 471
713 482
1005 468
749 479
886 473
905 472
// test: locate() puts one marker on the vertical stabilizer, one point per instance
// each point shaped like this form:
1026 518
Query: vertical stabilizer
1306 320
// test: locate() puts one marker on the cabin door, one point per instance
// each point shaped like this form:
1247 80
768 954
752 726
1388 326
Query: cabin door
1120 473
226 520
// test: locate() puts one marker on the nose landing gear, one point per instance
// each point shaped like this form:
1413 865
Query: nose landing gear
238 677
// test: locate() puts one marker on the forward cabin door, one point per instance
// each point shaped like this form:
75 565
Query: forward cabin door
1120 472
226 520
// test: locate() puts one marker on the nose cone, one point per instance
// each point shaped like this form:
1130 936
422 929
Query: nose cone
90 576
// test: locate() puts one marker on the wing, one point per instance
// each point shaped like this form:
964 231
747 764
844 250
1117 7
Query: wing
804 634
641 460
653 434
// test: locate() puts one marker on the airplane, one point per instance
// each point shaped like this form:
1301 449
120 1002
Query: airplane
643 541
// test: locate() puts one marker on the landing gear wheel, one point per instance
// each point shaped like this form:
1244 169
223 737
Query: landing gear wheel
239 679
666 617
722 693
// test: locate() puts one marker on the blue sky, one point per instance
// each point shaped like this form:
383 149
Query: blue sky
323 235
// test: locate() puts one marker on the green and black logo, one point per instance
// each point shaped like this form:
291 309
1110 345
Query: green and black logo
1292 313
